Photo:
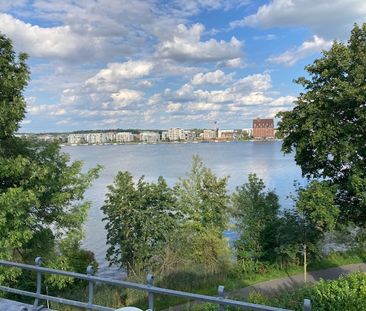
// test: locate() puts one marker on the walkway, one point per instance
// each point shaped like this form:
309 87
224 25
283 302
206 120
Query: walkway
289 282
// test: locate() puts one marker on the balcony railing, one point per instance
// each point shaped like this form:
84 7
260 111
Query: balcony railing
151 290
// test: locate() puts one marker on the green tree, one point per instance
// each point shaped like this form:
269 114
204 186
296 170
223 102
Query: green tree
327 126
315 214
14 77
254 211
41 193
202 198
140 218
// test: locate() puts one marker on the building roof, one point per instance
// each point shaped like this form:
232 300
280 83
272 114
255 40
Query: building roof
263 123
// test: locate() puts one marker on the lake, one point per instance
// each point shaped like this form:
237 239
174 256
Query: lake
235 159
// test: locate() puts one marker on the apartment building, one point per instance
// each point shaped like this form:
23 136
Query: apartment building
176 133
209 134
124 137
149 137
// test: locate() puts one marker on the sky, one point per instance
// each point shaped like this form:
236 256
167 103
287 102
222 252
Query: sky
149 64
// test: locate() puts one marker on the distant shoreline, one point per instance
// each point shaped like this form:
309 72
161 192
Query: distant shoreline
174 142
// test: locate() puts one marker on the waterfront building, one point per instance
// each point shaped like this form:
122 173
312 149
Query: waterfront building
124 137
164 136
227 134
95 138
176 133
109 137
189 135
149 137
263 128
209 134
75 139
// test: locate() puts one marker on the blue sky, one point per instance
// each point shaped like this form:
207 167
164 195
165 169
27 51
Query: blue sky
99 64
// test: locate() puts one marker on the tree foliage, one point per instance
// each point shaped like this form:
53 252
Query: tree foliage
327 126
41 192
255 212
140 218
202 198
14 77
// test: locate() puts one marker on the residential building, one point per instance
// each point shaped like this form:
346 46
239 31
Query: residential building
209 134
149 137
226 134
109 137
95 138
124 137
164 136
176 133
189 135
75 139
263 128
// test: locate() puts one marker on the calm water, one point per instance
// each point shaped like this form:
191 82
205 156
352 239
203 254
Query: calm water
236 159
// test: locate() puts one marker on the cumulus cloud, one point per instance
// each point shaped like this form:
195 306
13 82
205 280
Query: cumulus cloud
115 72
59 42
232 63
174 107
125 97
184 44
328 19
307 48
214 77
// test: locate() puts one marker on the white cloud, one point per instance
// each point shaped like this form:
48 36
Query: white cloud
184 44
214 77
124 97
232 63
252 83
307 48
58 42
115 72
326 18
283 101
174 107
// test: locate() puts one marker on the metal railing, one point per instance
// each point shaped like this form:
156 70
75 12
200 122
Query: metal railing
149 288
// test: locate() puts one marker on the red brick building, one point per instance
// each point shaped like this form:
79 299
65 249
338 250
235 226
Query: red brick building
263 128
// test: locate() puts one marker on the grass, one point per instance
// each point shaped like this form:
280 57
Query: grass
194 282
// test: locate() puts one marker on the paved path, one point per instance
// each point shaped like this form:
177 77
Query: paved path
288 282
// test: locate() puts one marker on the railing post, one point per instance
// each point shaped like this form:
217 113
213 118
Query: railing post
38 261
90 272
150 281
307 305
221 291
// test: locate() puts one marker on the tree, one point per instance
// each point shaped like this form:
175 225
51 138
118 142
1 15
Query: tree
14 77
202 198
254 211
327 127
140 218
41 193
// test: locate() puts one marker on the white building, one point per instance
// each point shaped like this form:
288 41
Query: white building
109 137
176 133
149 137
124 137
189 135
75 139
164 135
94 138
